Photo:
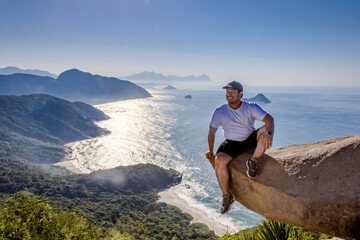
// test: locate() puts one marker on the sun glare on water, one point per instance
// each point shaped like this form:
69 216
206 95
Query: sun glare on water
140 133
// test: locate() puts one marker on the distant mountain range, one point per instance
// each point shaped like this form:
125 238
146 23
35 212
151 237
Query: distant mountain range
12 70
153 76
73 85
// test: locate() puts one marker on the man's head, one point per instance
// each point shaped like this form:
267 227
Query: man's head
234 85
234 92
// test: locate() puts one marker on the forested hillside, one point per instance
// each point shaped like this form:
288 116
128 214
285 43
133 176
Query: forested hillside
121 205
118 203
35 127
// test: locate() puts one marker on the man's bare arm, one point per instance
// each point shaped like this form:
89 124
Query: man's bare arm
211 141
269 127
269 123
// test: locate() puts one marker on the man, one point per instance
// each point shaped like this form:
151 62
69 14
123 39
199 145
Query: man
237 120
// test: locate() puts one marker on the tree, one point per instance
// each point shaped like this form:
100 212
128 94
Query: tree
26 216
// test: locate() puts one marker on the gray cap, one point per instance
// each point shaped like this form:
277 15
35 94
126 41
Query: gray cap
234 85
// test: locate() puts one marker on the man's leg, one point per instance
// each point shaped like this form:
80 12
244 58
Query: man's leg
252 163
222 173
260 148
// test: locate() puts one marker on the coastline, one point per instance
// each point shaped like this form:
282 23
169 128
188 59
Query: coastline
170 197
69 166
221 225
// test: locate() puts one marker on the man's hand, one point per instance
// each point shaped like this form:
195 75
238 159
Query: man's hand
209 155
266 141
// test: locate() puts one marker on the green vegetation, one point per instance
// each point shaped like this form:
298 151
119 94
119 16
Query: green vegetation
45 118
29 149
271 230
30 217
241 234
120 200
118 203
34 127
90 112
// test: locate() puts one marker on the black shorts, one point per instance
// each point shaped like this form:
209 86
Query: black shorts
233 148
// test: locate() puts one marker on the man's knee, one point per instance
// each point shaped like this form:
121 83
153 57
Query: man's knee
260 142
222 159
260 132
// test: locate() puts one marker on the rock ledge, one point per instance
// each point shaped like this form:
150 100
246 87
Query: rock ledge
315 186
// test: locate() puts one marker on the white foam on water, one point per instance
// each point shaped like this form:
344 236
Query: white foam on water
214 214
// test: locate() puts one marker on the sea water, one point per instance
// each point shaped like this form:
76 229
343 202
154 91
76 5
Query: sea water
171 131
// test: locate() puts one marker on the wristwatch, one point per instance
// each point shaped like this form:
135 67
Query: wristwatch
269 133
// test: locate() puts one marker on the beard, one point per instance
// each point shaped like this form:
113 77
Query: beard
233 100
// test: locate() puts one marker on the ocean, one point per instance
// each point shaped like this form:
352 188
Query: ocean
171 131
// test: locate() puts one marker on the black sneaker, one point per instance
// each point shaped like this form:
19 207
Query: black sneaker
228 199
251 167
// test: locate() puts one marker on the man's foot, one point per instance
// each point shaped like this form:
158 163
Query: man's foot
251 167
228 199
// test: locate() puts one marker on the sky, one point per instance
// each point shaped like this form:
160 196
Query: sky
256 42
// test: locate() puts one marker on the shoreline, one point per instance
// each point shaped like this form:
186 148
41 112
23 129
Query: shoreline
170 197
69 166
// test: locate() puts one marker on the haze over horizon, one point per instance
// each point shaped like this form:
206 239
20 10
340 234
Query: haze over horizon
276 43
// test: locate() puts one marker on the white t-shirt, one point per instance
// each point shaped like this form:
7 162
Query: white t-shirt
237 124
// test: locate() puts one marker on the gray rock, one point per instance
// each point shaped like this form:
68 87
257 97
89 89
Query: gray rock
315 186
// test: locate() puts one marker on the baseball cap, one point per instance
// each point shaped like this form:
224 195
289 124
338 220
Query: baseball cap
234 85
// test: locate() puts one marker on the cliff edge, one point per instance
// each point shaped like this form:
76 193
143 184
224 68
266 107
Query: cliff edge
315 186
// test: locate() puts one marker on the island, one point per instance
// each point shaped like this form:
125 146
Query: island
169 87
260 98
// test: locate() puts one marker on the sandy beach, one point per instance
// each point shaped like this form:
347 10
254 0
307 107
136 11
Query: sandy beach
170 197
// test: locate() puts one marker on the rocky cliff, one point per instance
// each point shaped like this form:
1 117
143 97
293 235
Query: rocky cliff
315 186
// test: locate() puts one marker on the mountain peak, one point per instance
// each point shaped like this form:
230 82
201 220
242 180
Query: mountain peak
73 71
204 77
74 84
259 98
12 69
154 76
